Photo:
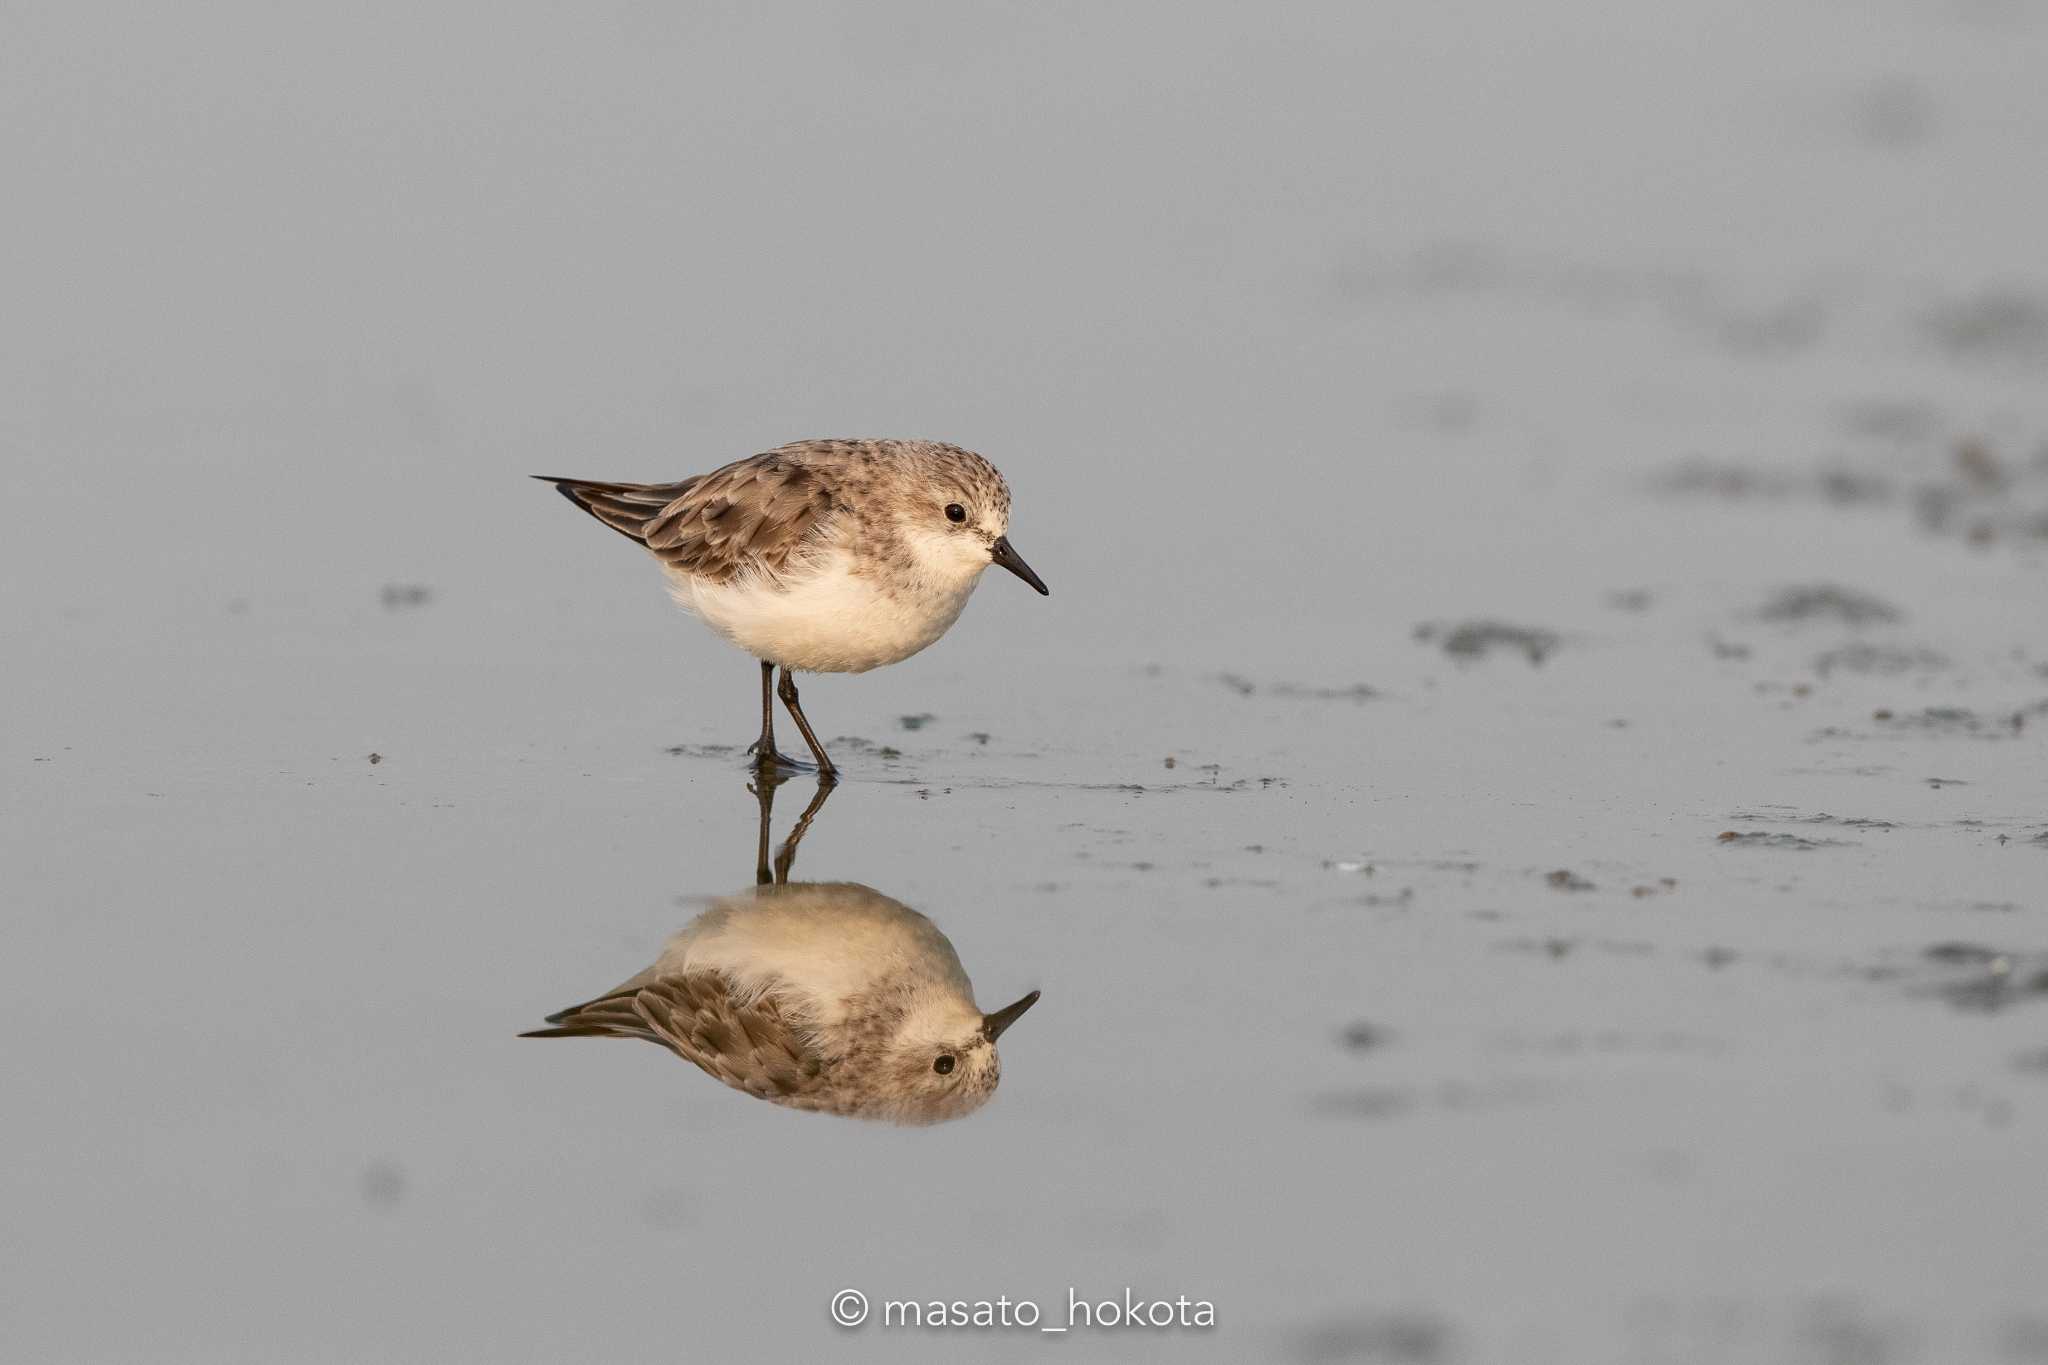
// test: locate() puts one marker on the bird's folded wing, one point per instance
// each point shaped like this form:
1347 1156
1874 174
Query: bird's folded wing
754 515
751 1047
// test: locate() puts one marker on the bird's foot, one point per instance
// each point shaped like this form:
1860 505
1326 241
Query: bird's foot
771 761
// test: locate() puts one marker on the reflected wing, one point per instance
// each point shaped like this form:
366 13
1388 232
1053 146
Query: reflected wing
754 513
751 1047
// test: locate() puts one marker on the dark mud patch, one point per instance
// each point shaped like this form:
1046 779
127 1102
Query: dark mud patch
1362 1036
1994 325
1827 603
1963 486
1470 640
861 744
1564 879
404 596
1396 1338
1941 722
916 722
1558 949
1880 661
1987 496
1958 720
1788 816
1303 691
1976 976
1397 1101
702 750
1793 843
1734 481
1351 692
1212 785
383 1185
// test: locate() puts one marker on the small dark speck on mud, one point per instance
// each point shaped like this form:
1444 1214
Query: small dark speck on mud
1631 599
1978 466
888 751
1359 1036
401 596
1477 639
376 758
1384 1339
1939 782
1718 957
1243 686
1565 880
383 1184
980 737
1828 602
916 722
1727 649
1172 762
1663 886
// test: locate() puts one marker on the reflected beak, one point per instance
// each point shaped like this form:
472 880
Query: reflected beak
992 1025
1001 553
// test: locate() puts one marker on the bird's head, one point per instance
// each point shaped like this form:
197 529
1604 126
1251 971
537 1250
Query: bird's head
940 1062
955 520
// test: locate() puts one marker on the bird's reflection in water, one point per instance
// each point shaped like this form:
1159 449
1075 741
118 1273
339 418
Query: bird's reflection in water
827 996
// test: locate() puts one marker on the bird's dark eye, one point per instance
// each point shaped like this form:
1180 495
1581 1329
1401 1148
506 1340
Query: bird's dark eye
944 1066
955 512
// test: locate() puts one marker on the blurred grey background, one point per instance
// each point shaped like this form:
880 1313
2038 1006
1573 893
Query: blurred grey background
1295 329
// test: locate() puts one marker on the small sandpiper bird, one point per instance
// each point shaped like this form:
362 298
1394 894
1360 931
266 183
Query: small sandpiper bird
821 556
827 996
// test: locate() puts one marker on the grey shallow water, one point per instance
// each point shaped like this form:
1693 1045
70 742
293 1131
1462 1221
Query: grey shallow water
1675 339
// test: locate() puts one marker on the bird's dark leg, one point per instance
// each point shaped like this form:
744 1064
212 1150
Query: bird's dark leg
787 856
826 772
766 760
764 791
777 873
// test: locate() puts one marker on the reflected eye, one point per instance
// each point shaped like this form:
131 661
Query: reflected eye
944 1066
955 512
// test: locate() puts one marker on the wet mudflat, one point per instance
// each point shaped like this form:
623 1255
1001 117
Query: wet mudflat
1528 804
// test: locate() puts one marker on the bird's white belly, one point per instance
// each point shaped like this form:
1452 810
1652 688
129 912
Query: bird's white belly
829 621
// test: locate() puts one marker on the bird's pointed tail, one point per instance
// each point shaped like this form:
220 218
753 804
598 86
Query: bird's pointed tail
625 507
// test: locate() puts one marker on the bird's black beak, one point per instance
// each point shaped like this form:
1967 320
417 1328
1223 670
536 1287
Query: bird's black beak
992 1025
1002 554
